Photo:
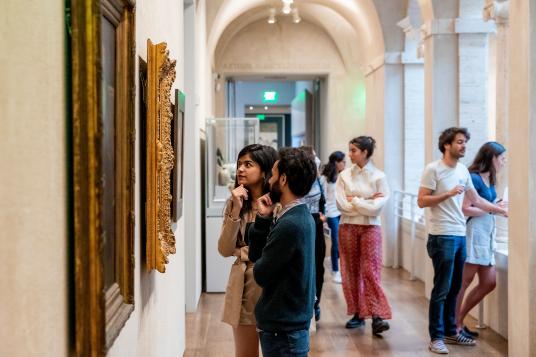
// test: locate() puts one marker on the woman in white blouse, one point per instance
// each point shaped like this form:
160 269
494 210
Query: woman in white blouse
361 193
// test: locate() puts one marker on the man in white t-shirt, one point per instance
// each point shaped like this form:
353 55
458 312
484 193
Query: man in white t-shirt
443 186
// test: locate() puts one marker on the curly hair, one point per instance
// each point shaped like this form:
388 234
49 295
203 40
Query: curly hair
299 168
448 135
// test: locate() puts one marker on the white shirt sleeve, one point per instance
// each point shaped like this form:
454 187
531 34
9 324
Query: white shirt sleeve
373 207
469 181
343 205
428 179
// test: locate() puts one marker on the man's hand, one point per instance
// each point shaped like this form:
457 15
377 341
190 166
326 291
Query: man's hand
349 198
459 189
323 218
265 207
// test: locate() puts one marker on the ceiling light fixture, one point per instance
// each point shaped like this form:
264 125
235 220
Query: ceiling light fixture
286 8
296 16
271 17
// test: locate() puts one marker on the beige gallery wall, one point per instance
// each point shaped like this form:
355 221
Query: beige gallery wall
33 171
157 325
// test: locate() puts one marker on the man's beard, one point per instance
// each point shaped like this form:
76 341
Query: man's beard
275 192
457 154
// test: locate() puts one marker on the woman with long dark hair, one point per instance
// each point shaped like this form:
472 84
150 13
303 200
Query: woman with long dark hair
361 192
330 172
253 170
480 240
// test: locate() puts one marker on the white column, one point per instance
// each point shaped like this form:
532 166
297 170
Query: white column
473 89
384 78
414 147
440 49
497 12
455 52
522 173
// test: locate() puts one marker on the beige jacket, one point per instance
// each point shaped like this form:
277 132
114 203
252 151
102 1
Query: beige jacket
242 292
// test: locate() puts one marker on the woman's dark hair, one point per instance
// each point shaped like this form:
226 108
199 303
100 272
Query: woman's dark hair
483 161
364 143
330 169
448 136
264 156
300 169
308 149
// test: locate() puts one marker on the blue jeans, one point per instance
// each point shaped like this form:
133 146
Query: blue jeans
333 224
448 257
284 344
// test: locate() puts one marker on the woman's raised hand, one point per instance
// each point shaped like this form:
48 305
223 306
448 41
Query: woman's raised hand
239 194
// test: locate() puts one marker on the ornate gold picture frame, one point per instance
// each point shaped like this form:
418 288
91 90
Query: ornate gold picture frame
102 114
160 156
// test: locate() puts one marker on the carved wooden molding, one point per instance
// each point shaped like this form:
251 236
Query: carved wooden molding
160 157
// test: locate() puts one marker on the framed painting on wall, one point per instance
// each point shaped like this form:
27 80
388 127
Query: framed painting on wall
103 137
160 157
177 141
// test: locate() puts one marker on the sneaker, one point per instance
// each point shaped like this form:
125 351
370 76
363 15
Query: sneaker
337 277
438 346
460 339
469 333
355 322
379 325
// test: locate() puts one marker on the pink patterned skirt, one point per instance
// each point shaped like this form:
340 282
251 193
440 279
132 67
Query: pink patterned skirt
360 249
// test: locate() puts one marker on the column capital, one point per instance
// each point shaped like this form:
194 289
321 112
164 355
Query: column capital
394 58
455 26
411 31
497 11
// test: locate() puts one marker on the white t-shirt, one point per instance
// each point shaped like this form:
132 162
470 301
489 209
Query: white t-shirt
447 217
331 201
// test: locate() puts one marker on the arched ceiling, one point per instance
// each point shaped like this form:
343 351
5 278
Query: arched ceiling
338 29
357 20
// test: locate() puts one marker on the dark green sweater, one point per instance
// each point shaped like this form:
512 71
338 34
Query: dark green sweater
284 255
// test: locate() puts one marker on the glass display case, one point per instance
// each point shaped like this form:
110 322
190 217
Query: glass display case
225 138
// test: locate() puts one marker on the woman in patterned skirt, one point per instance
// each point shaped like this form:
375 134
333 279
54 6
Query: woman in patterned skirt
253 170
361 193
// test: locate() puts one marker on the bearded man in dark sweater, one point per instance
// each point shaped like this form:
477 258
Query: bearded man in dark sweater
282 244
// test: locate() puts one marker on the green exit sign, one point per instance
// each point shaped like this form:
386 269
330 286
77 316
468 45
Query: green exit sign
261 116
270 97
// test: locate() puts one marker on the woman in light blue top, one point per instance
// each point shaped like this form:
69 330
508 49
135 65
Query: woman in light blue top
330 172
480 260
